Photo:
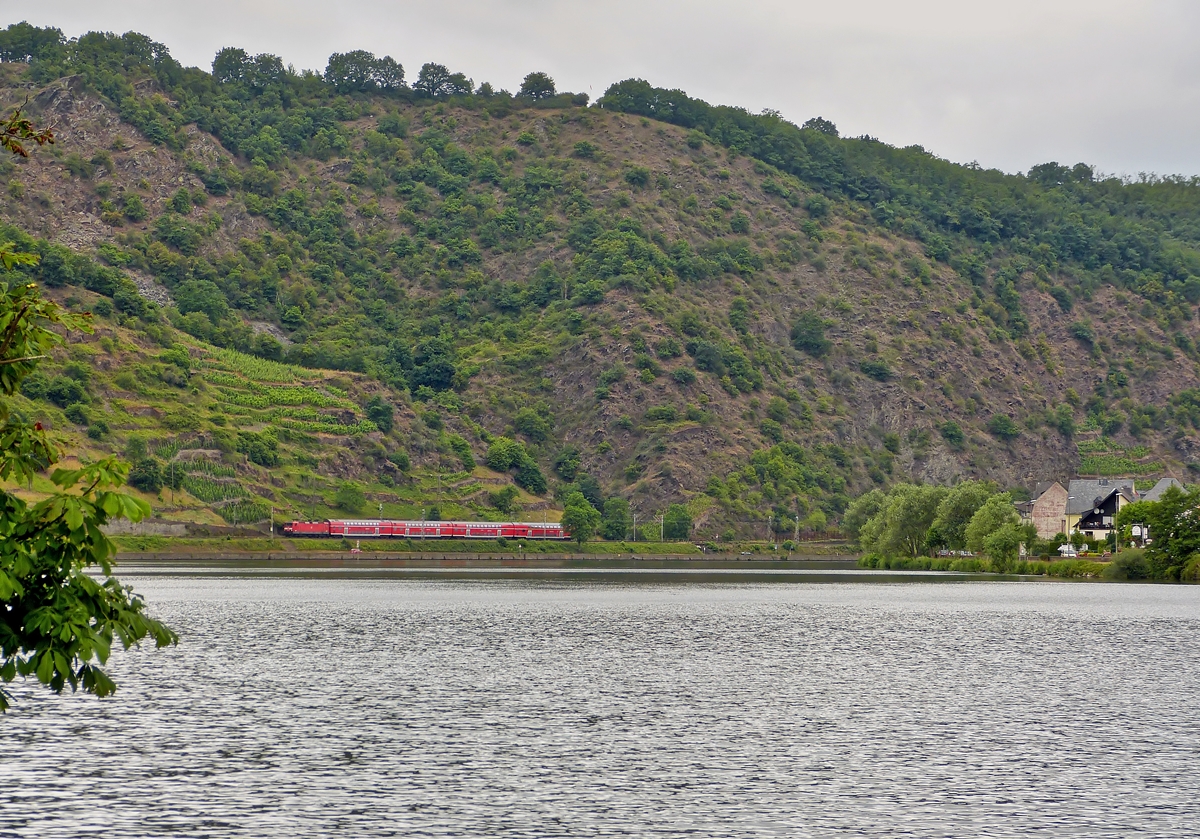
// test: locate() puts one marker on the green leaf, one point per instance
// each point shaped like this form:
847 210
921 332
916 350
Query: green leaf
45 668
74 517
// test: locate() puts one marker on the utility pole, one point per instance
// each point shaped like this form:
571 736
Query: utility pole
662 520
797 536
635 527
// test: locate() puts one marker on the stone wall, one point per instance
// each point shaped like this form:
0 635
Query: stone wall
1049 511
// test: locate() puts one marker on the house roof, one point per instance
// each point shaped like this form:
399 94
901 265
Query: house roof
1042 487
1159 488
1085 493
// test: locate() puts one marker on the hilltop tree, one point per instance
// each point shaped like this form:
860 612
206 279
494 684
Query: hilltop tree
823 125
360 71
537 86
435 81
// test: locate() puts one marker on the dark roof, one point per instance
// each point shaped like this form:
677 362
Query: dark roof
1041 488
1083 494
1159 488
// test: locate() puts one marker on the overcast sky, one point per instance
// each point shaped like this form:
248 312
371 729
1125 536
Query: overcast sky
1115 83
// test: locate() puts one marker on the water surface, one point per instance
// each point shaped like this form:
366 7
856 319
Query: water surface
324 706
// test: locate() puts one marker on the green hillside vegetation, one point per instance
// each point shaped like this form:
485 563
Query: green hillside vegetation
434 294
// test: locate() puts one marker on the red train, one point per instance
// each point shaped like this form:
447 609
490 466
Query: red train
386 529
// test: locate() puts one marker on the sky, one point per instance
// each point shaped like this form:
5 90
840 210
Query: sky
1113 83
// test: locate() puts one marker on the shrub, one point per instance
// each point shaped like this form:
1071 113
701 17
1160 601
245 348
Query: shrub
259 447
350 497
683 375
76 414
146 475
668 348
808 335
400 460
533 425
133 207
380 412
876 369
530 477
503 454
463 449
64 391
952 433
772 430
1083 332
637 176
1003 427
505 499
662 413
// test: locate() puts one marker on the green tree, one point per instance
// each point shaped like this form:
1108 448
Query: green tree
862 510
677 523
955 511
580 519
1136 512
537 86
1175 529
992 515
901 526
616 520
436 82
1003 545
59 621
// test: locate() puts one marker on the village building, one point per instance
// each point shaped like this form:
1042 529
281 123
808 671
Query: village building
1045 510
1159 488
1093 504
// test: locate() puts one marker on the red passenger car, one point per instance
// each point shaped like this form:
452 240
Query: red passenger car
392 529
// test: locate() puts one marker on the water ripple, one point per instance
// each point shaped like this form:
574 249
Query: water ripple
330 707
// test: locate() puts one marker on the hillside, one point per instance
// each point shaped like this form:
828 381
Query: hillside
656 299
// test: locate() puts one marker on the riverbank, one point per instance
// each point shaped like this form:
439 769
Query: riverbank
164 547
1064 568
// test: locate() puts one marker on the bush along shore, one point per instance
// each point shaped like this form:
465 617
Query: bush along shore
983 565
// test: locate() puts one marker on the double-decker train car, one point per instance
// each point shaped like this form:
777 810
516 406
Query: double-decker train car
390 529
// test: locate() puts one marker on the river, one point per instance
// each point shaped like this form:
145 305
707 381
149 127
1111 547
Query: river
322 705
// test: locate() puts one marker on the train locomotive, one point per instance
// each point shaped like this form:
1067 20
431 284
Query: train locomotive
389 529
